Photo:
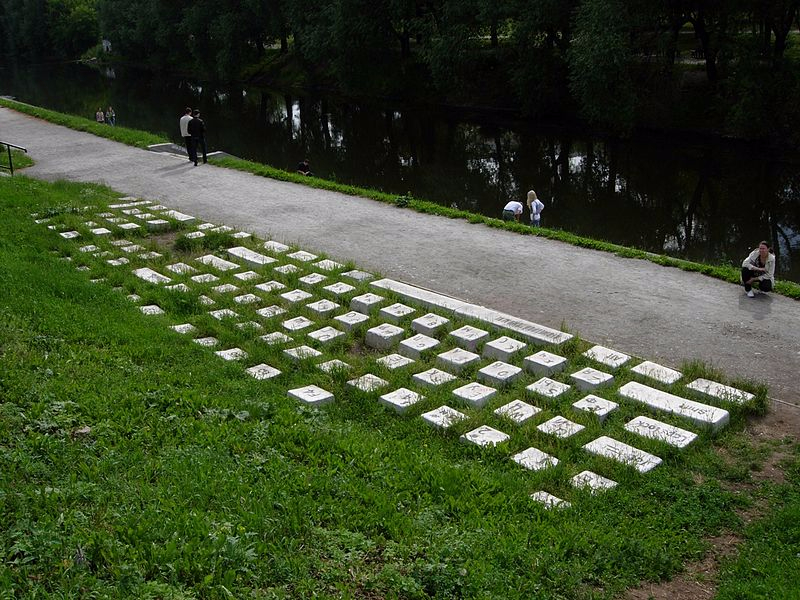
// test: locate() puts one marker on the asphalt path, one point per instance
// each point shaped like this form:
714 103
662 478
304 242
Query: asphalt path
634 306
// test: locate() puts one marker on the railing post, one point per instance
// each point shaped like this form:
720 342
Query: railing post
10 163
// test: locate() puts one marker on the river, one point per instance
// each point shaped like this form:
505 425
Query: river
705 200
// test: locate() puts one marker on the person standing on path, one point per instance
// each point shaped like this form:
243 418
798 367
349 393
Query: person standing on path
187 139
197 129
536 207
512 211
759 267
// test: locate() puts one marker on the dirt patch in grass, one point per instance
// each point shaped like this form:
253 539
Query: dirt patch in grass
165 239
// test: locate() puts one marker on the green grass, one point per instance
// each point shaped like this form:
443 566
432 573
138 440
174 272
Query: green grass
141 139
136 464
19 159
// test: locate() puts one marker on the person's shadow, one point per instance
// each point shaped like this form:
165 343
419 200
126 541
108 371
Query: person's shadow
759 307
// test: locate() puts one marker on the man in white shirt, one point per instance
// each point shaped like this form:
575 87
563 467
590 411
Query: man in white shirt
187 139
512 211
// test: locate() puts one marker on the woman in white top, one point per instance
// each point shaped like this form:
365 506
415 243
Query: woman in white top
536 207
759 267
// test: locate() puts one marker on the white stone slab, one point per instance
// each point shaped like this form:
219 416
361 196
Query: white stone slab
325 335
98 280
312 279
303 256
193 235
157 224
396 312
383 336
218 263
295 296
247 299
311 395
82 268
298 323
117 220
271 311
590 379
610 448
118 262
225 288
183 328
89 248
180 268
302 353
548 387
69 235
204 278
334 365
722 392
429 324
534 459
287 269
365 302
401 399
270 286
328 265
358 275
151 276
503 348
178 287
206 226
499 373
205 300
322 307
415 346
600 407
339 288
128 202
250 257
231 354
560 427
351 320
443 417
469 337
549 501
475 394
101 231
517 411
592 481
120 243
607 356
394 361
249 325
149 255
177 216
131 248
246 275
90 224
223 313
544 363
696 412
129 226
131 212
433 378
485 436
151 309
656 430
457 359
134 297
368 383
275 247
274 338
241 235
222 229
657 372
206 341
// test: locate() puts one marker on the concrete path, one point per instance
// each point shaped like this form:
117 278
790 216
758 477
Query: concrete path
662 314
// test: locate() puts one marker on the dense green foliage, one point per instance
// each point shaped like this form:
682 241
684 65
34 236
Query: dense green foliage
136 464
726 65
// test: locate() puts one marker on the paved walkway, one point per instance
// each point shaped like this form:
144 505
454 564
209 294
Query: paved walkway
634 306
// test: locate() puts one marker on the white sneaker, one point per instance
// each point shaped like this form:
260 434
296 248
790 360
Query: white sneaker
750 294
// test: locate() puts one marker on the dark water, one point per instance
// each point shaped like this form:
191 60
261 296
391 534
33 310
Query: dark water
706 201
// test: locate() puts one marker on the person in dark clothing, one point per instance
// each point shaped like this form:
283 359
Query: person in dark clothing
304 167
197 130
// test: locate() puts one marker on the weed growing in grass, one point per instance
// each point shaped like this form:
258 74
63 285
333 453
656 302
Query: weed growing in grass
136 463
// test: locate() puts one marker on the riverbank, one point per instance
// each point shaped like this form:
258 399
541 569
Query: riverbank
141 139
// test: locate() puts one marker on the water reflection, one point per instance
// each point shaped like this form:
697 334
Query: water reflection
702 201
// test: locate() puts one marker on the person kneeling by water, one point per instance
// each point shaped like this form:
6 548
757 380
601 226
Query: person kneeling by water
759 267
512 211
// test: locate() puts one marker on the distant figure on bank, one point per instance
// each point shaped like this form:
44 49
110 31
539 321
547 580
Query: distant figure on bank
187 139
111 116
512 211
304 167
99 116
759 268
197 129
536 207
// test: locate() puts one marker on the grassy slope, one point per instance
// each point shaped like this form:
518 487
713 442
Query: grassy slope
196 481
143 139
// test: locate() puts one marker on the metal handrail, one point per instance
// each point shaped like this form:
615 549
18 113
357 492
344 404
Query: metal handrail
9 146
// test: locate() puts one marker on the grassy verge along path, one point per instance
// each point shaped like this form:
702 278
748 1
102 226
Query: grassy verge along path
136 463
726 272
